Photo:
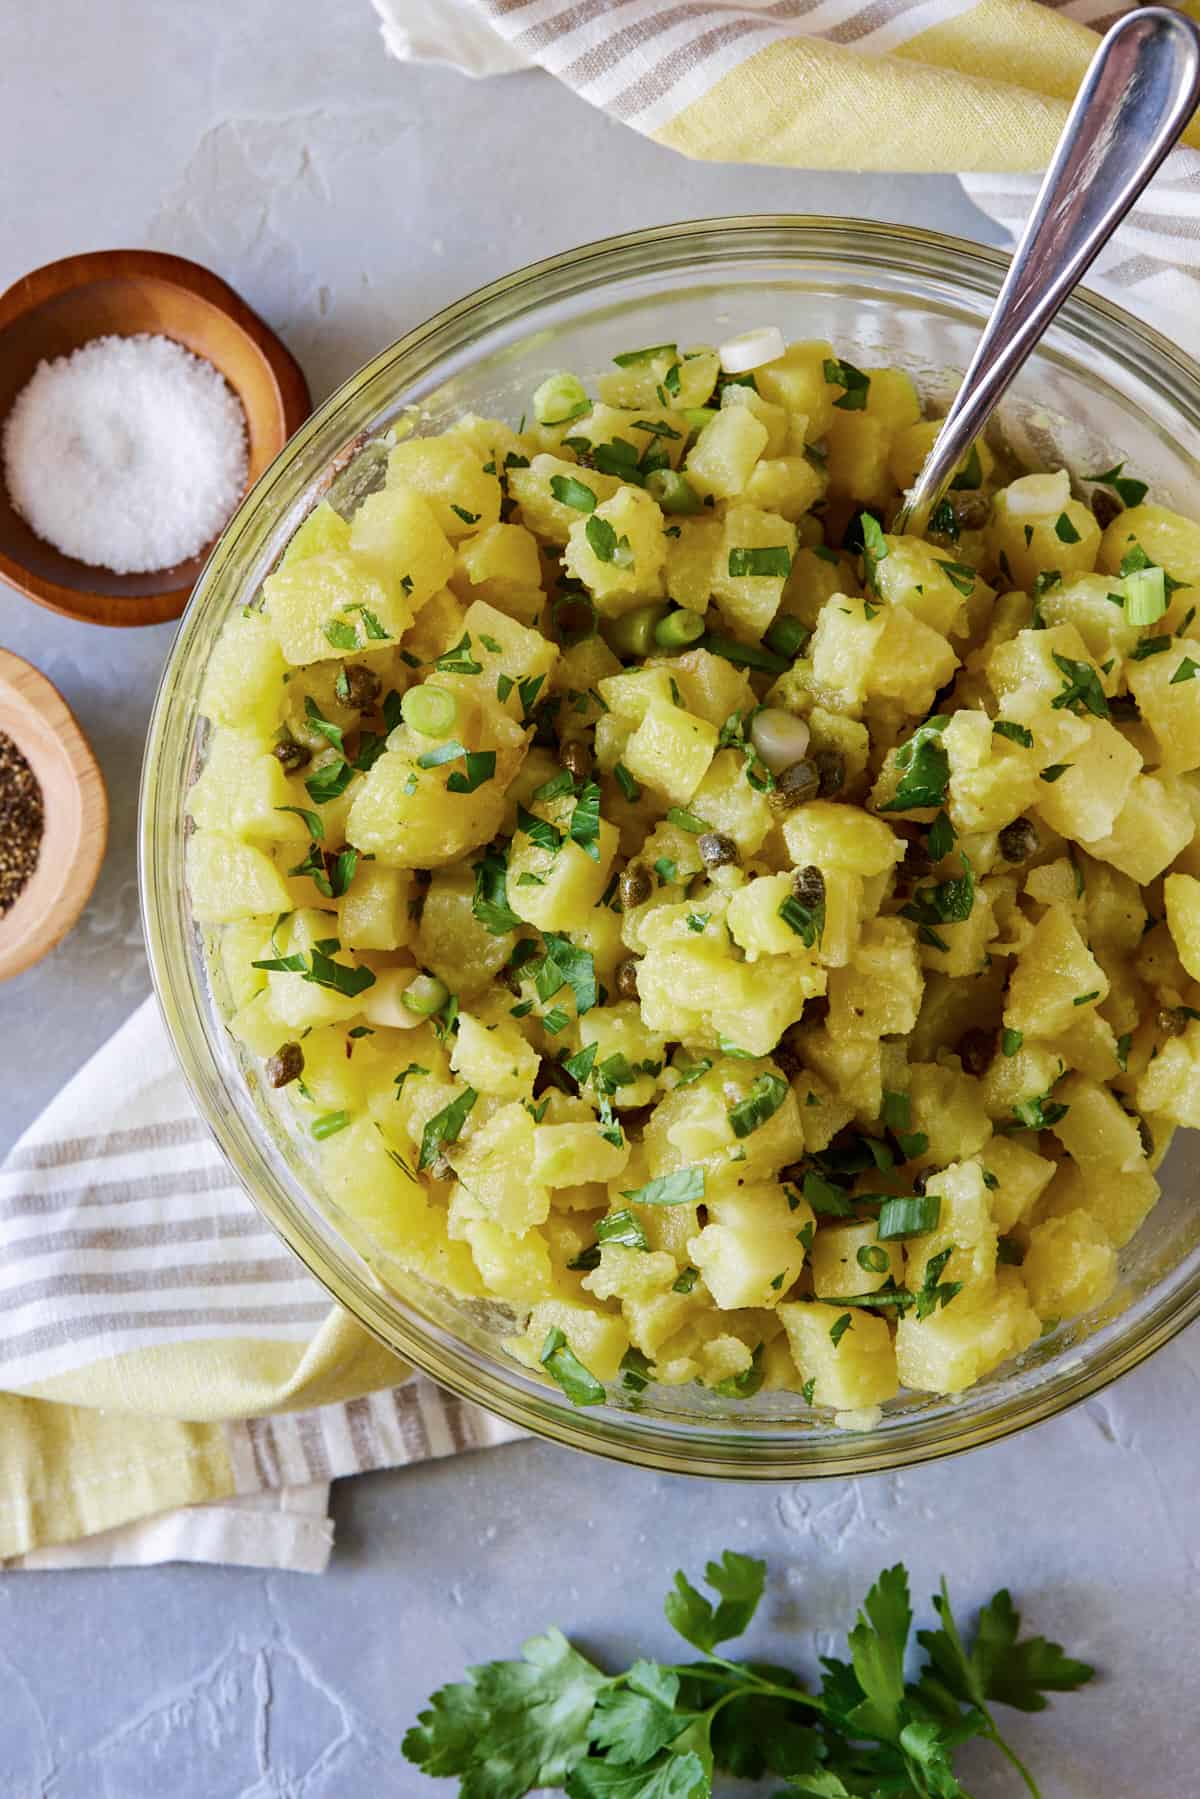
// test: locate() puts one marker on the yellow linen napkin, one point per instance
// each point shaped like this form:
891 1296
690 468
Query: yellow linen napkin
149 1322
978 88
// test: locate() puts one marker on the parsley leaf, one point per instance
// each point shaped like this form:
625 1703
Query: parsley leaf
738 1580
925 769
1081 687
684 1187
1127 490
756 1107
563 1365
490 902
856 384
445 1127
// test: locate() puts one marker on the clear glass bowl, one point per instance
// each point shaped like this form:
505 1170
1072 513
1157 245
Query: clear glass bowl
1100 386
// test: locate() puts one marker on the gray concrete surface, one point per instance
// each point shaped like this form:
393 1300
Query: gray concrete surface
347 198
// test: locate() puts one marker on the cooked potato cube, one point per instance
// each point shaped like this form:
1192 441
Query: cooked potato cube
751 1250
858 1369
722 458
957 1345
671 751
1069 1267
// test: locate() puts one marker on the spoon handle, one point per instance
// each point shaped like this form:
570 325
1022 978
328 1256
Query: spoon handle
1140 90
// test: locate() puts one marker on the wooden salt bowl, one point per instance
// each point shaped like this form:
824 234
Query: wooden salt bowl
64 305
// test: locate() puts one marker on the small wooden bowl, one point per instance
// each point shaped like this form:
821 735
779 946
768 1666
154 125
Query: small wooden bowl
39 721
58 308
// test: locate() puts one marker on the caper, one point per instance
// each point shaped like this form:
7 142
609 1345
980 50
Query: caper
716 849
831 770
798 782
357 686
1105 507
635 886
576 758
1171 1021
291 755
976 1049
971 510
626 977
808 885
1019 840
285 1066
916 863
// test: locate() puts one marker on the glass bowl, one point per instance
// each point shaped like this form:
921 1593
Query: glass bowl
1101 386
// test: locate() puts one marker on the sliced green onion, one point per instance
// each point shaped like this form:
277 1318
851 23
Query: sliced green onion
678 630
786 635
559 399
699 416
633 633
673 491
425 996
1145 596
329 1125
909 1216
432 711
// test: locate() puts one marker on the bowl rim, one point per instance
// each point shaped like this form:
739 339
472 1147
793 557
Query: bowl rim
74 839
39 286
695 1447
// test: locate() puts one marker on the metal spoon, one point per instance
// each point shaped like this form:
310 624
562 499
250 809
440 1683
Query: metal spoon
1137 97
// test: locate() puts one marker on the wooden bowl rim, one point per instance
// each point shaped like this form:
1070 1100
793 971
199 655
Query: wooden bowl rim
33 290
75 836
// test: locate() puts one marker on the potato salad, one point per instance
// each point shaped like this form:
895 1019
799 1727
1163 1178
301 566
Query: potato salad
755 948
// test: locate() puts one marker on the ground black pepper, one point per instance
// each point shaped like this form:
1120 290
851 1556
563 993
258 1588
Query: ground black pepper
22 821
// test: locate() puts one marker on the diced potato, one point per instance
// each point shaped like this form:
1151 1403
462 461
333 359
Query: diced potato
1094 1129
848 1260
564 1153
913 575
757 923
1182 895
228 879
1065 536
1119 1200
958 1344
749 601
750 1252
711 687
1085 802
451 942
374 912
692 560
618 552
496 1168
553 888
948 1108
837 836
891 656
1171 1084
1021 1177
727 802
859 1369
494 1058
516 1268
1149 831
722 458
1168 539
1054 976
858 448
684 986
243 682
1069 1267
596 1338
1168 696
786 485
461 492
532 488
620 1030
965 1227
396 531
671 751
797 381
879 993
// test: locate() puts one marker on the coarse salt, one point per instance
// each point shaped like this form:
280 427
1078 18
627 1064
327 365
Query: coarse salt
129 454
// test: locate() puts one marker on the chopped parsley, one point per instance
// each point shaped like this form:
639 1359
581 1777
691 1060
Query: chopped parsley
857 385
925 769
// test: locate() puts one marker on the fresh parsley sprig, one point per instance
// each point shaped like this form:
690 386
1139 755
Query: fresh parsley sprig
555 1720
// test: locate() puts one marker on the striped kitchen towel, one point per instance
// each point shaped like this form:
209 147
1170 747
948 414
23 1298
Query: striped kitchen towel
173 1384
979 88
